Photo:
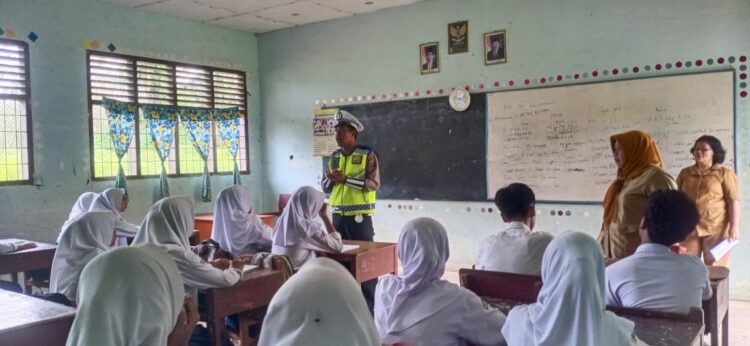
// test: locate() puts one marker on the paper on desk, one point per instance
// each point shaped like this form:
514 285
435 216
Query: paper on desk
248 268
349 247
723 248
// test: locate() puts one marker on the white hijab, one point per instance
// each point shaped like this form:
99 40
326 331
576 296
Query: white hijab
167 224
235 225
570 306
422 250
320 305
127 297
82 205
297 220
81 240
111 200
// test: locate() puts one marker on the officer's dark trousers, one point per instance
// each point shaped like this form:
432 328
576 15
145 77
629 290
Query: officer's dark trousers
352 230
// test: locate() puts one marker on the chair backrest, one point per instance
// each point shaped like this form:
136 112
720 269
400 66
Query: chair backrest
283 200
693 315
501 285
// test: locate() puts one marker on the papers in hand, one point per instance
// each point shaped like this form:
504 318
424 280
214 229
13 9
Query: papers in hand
723 248
248 268
349 248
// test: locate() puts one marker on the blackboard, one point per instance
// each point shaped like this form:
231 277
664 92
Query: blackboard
426 150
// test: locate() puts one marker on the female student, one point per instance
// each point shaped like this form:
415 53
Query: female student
82 239
236 228
133 296
639 173
418 308
570 306
82 205
320 305
297 235
113 200
167 225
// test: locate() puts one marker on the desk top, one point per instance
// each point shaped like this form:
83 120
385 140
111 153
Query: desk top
28 311
205 217
716 273
365 246
653 331
39 246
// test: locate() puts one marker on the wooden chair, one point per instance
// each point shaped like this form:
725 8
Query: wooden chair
519 287
693 315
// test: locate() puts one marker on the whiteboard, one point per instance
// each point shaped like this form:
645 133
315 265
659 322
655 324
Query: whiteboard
556 139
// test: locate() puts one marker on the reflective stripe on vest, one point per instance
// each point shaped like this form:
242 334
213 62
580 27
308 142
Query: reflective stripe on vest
345 199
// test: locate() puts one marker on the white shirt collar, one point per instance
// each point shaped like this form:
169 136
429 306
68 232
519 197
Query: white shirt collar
515 226
652 248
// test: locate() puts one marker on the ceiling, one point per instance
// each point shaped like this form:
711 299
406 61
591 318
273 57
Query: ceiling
259 16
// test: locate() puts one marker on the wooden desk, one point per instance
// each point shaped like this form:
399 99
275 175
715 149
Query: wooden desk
31 321
254 291
485 283
654 328
717 308
370 260
39 257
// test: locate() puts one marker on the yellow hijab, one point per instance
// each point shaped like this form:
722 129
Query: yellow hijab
640 154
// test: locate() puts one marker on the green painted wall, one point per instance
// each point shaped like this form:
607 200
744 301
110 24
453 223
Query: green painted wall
377 53
60 109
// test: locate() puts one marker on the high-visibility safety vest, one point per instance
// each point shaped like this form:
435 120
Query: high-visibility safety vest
345 199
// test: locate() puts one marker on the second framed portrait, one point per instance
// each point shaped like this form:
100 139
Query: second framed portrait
428 58
495 48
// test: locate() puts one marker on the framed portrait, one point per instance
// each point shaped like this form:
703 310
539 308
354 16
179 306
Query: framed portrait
458 37
494 48
428 58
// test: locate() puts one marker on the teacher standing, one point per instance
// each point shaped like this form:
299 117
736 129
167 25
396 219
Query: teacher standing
640 172
352 177
714 189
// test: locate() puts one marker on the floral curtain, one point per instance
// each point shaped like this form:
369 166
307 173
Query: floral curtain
228 122
198 123
121 117
161 121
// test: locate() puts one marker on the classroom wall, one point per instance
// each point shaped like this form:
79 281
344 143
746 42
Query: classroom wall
60 109
377 53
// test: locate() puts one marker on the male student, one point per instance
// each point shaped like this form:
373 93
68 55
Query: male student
515 249
653 277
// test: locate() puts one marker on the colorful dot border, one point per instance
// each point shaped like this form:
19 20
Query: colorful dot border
740 63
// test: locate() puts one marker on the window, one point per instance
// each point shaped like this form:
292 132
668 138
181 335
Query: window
15 113
151 81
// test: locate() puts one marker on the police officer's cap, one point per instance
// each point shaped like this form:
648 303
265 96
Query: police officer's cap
346 118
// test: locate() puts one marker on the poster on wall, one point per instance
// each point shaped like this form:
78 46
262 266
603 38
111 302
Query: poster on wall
428 58
324 132
494 47
458 37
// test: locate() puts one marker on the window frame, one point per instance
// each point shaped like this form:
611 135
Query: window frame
176 141
29 123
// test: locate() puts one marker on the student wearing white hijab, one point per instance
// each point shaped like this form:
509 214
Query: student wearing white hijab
297 235
570 306
133 296
320 305
84 237
236 228
167 225
82 205
113 199
417 308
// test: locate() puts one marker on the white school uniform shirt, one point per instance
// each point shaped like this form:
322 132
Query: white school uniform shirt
570 308
658 279
516 249
297 235
167 225
129 296
318 306
236 228
111 200
417 308
82 205
84 237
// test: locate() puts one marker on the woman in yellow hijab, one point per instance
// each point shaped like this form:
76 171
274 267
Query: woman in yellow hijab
639 173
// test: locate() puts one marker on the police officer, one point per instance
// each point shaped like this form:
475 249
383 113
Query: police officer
352 177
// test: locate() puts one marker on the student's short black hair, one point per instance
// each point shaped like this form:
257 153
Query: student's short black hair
515 200
670 217
716 147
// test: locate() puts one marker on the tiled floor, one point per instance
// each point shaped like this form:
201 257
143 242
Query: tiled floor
739 317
